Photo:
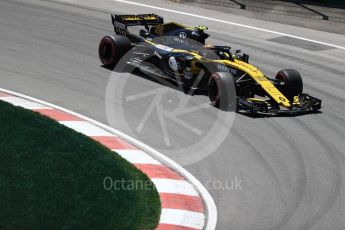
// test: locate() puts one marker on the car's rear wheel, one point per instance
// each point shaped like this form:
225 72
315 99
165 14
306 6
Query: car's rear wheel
112 48
292 83
220 86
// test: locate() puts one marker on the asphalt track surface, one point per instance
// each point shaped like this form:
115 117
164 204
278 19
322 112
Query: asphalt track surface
290 168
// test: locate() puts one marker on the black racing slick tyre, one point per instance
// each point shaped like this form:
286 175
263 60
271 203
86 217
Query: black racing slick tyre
221 90
112 48
292 83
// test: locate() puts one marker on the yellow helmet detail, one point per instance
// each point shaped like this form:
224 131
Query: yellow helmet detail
202 27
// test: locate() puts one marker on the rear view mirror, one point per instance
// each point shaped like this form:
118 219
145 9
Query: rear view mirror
144 33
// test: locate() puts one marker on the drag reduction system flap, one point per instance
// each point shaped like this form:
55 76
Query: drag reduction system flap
137 20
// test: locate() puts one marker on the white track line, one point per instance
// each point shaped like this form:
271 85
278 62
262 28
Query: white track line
231 23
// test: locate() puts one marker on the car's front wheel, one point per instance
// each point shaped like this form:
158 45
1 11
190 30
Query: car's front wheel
221 90
291 83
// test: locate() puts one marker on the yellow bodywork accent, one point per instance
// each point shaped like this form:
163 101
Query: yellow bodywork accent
196 55
260 78
152 43
254 99
296 100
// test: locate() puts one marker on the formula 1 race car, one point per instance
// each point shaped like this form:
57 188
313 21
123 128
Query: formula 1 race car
179 53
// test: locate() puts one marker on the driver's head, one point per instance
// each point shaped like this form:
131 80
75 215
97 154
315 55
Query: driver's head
199 34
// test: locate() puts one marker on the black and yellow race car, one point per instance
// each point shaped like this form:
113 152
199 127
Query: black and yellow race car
179 53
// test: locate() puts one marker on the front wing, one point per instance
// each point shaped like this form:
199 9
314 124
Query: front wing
308 104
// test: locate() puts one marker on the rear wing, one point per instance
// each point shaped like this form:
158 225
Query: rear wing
121 22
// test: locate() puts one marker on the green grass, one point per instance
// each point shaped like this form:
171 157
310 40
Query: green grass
52 178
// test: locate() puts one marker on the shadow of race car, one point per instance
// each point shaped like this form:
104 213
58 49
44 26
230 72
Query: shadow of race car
177 52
